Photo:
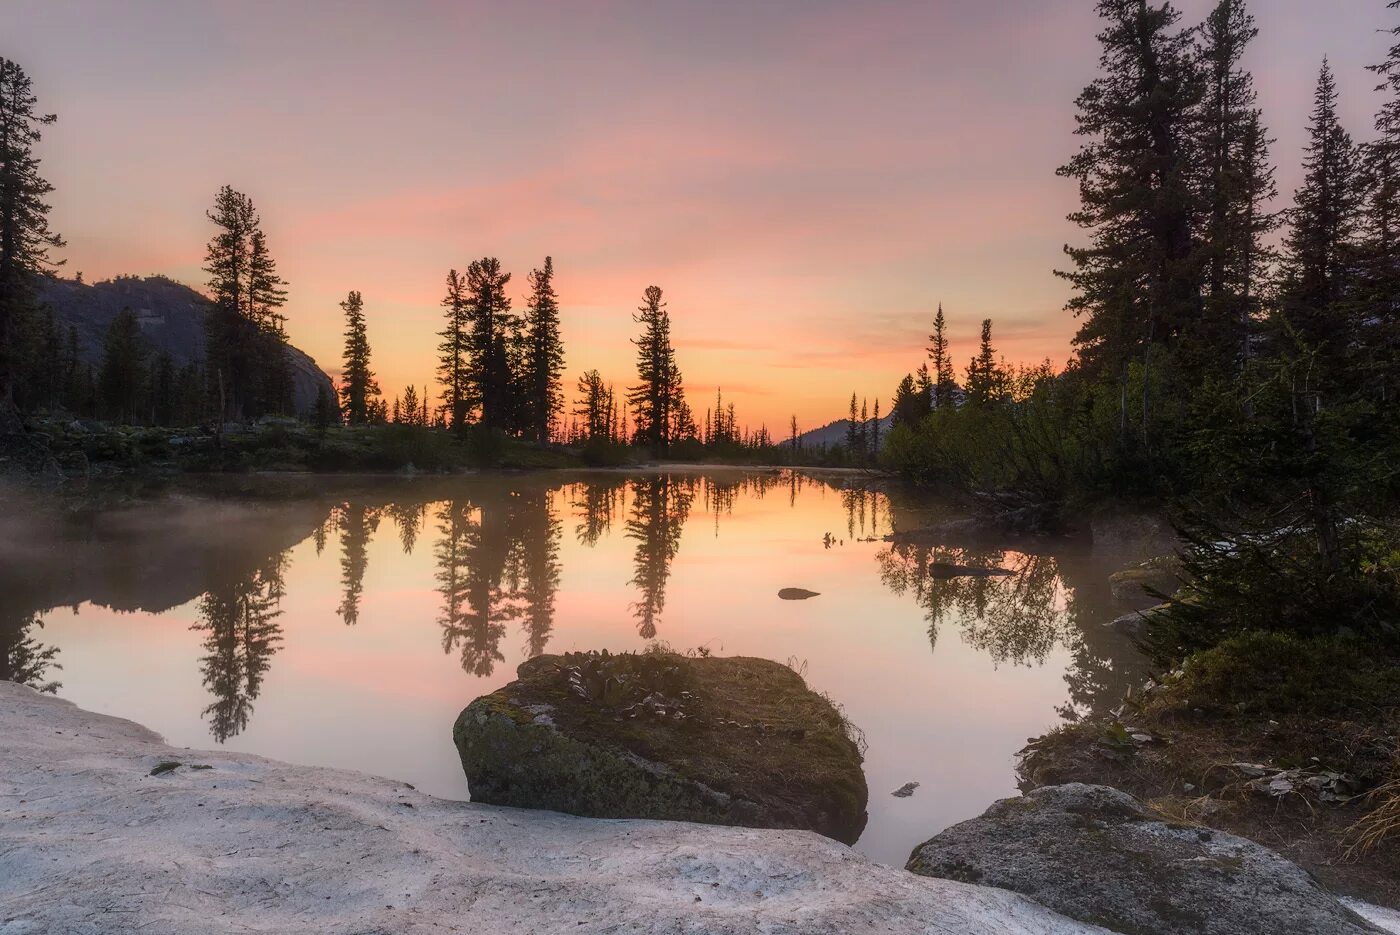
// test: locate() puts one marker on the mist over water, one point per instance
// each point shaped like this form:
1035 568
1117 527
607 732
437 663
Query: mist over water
346 622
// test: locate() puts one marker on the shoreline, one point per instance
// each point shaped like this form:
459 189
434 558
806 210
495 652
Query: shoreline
224 842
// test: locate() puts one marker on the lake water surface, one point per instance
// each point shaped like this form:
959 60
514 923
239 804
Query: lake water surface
346 622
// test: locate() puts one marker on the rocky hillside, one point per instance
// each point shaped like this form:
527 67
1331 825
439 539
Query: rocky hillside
171 316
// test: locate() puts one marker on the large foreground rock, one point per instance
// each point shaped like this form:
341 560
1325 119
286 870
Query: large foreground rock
91 842
1092 853
734 741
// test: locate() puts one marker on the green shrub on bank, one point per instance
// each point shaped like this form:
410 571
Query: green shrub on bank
1283 673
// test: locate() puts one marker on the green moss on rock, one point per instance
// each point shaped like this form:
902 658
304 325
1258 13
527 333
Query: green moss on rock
755 748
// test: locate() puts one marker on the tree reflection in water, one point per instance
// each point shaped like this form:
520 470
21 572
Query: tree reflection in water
597 503
497 562
23 658
862 512
1019 619
409 518
238 616
660 507
357 524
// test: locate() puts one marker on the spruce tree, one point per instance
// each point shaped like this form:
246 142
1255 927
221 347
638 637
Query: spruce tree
122 382
924 390
907 408
161 385
454 353
358 389
245 339
1380 330
25 237
942 363
265 297
1320 249
875 433
493 328
327 410
985 380
1236 186
852 432
544 354
1137 282
594 407
657 399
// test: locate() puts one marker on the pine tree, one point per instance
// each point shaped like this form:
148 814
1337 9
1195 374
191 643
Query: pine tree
985 380
123 377
161 383
594 407
266 295
863 431
1137 283
327 410
454 354
245 337
875 433
1380 330
408 412
942 363
1320 247
658 398
792 430
906 409
358 389
852 432
544 354
1236 186
493 330
25 237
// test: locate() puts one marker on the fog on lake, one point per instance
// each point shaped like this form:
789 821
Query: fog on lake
345 623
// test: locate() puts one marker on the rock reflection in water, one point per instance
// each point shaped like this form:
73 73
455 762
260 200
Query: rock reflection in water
494 551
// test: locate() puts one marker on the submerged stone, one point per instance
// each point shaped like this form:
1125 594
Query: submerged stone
1152 579
797 594
735 741
1094 854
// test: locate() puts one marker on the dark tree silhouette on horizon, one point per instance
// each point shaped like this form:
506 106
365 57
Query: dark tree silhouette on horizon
543 357
245 339
358 387
659 412
25 237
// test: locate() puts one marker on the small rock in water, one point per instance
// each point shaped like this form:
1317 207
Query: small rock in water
906 790
797 594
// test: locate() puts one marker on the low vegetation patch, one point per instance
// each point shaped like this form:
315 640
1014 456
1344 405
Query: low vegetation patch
1289 740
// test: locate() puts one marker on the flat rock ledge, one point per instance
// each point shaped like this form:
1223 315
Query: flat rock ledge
1094 854
730 741
91 842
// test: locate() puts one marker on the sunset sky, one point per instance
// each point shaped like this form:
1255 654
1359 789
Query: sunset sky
805 180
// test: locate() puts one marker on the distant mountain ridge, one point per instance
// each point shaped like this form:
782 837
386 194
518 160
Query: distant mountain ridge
834 433
171 316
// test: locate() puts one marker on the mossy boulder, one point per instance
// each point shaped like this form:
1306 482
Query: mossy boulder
728 741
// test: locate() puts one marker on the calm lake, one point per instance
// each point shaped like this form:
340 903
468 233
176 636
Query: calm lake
346 622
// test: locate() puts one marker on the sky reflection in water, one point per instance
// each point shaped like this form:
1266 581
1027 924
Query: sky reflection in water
346 623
